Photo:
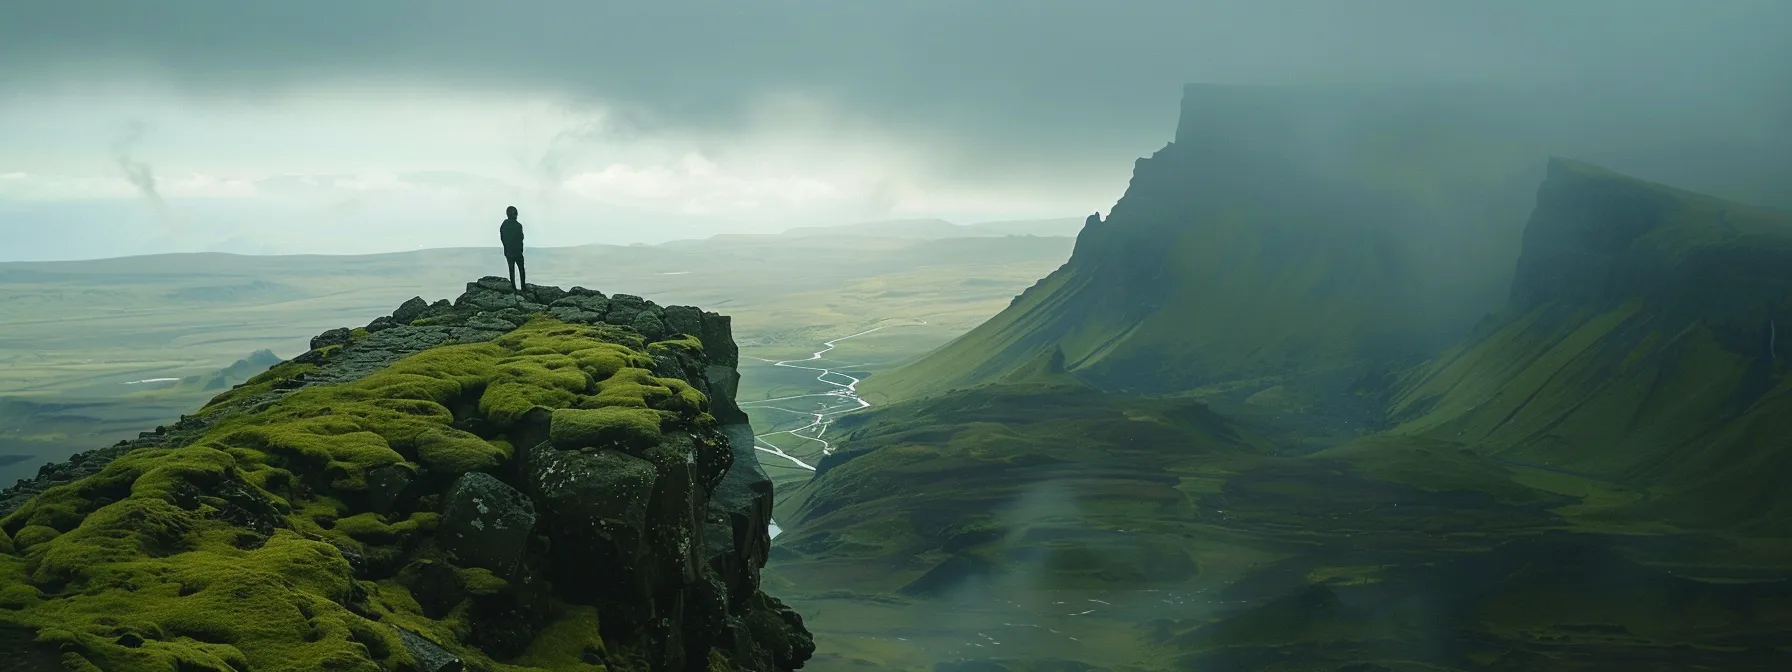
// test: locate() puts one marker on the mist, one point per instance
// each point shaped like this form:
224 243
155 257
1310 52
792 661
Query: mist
649 123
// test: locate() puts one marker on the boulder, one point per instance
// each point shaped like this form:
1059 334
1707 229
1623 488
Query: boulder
489 322
684 320
595 508
624 308
490 283
338 336
575 316
486 523
584 303
649 325
545 295
387 486
411 309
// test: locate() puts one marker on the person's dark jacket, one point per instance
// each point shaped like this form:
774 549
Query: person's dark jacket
511 232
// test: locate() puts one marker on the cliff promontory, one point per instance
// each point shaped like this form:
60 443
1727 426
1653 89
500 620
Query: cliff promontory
544 480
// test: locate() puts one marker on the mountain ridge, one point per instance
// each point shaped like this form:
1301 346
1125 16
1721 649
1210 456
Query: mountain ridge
1640 316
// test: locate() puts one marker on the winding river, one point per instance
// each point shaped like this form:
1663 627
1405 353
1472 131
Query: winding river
825 406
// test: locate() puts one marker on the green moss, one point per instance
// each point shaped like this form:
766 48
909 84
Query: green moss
634 428
16 591
210 606
565 641
33 535
455 452
372 528
147 547
683 342
480 581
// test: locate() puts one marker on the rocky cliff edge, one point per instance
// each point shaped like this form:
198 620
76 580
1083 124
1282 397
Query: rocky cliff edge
513 481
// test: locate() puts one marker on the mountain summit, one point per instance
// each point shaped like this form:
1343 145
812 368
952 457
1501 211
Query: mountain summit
550 480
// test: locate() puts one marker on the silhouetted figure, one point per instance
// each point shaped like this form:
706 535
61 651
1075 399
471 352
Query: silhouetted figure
511 232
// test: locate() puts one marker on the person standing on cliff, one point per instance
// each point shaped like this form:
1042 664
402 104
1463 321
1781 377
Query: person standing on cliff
511 233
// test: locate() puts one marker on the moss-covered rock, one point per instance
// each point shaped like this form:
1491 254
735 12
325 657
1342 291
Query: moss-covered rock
631 429
350 511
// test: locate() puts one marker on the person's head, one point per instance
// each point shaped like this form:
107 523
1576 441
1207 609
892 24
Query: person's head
510 212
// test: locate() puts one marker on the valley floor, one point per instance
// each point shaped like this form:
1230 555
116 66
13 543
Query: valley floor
1052 527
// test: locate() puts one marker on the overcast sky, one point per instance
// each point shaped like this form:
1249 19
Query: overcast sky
327 126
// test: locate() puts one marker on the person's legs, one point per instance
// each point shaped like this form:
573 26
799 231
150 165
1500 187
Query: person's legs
511 262
522 273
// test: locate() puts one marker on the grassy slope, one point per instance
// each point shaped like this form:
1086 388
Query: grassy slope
1640 389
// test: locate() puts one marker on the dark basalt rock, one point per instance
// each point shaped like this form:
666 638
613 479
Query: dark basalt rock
486 523
431 657
650 325
339 336
411 309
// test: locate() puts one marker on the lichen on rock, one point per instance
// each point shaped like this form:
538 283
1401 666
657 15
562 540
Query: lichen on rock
441 490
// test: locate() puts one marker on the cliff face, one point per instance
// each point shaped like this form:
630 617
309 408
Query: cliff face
1287 236
552 480
1641 344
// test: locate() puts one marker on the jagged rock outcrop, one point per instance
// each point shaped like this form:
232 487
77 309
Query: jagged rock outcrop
538 480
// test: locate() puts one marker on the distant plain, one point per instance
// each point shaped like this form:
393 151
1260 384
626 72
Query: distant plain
92 351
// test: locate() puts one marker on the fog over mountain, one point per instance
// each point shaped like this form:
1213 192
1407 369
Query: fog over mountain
357 127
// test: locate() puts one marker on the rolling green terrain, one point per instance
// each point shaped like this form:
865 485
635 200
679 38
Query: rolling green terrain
79 333
1232 434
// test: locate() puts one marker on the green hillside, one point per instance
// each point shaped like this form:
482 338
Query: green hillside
1640 345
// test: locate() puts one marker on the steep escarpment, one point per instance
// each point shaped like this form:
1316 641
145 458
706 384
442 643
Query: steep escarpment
1641 344
1275 243
513 481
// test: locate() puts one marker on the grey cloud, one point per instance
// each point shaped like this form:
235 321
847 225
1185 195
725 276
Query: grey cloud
138 173
1032 79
